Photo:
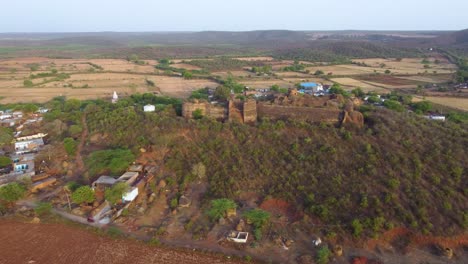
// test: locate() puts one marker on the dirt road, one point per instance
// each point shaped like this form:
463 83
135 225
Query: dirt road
56 243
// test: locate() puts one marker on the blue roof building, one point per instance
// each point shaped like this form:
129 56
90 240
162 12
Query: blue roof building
309 85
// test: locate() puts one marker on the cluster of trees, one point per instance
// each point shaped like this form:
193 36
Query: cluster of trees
341 52
224 64
296 67
266 69
321 172
113 161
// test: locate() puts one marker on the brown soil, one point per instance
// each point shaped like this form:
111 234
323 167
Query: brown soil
55 243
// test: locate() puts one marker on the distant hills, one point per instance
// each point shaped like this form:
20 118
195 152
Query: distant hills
321 45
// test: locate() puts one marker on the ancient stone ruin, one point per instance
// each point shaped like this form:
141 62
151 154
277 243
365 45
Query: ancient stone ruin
304 108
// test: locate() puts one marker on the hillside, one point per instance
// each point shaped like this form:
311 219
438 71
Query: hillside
400 170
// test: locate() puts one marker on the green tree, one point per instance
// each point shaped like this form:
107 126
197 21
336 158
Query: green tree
422 107
72 105
12 192
70 146
43 208
318 72
275 88
29 108
6 136
75 129
323 255
187 75
28 83
336 89
394 105
114 194
219 208
387 72
222 93
84 194
5 161
358 92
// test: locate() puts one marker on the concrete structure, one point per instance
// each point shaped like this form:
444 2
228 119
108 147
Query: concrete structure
104 182
238 237
129 177
149 108
130 195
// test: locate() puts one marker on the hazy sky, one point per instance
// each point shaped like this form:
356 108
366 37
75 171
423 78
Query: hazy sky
238 15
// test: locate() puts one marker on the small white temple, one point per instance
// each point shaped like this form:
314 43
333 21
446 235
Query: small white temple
115 97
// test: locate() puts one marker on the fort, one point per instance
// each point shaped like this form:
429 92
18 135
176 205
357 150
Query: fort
327 109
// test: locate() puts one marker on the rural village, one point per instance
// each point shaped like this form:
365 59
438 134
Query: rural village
247 158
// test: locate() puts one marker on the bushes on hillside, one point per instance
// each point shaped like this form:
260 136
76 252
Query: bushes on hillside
114 161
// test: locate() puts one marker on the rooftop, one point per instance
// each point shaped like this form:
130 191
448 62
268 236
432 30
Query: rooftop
309 84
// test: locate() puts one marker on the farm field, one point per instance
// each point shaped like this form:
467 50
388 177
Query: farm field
453 102
98 78
258 84
56 243
351 83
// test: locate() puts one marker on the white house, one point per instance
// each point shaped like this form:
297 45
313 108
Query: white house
149 108
26 146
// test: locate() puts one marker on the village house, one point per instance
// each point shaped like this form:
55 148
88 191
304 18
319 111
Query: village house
310 88
27 146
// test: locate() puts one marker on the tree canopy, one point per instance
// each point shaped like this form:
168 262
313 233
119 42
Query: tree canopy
12 192
219 208
84 194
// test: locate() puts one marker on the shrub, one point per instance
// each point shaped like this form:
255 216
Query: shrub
84 194
357 227
114 232
28 83
257 217
12 192
70 146
323 255
258 234
174 203
197 114
114 194
219 208
43 208
394 105
5 161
